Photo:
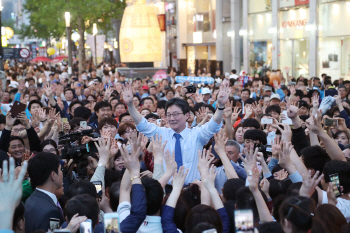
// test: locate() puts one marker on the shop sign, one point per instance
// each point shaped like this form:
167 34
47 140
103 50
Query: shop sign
301 2
245 79
294 23
205 80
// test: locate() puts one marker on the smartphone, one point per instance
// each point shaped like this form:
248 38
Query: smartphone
64 120
98 186
287 120
83 124
158 121
336 184
266 121
331 122
54 224
244 220
17 108
111 222
86 227
62 231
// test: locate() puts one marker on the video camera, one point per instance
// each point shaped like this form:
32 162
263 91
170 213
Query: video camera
73 149
266 150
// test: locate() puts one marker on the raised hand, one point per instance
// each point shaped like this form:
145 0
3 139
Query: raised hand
265 186
310 183
337 99
24 120
201 114
220 141
179 179
108 93
286 132
10 192
228 110
104 152
171 165
314 123
204 161
52 116
10 121
315 102
209 181
235 114
131 161
74 223
158 148
223 95
284 157
253 179
292 110
257 109
250 158
127 94
47 90
248 111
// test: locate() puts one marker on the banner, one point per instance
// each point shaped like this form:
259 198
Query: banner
205 80
245 79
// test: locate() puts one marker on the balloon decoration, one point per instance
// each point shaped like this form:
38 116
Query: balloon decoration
51 51
274 76
58 45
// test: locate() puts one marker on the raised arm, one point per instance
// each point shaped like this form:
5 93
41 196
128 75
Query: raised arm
332 148
222 97
263 210
171 167
228 119
220 141
203 166
127 96
313 137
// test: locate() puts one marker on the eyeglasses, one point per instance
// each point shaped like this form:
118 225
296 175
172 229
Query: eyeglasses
175 115
18 130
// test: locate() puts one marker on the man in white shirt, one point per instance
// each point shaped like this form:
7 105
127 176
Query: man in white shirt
183 141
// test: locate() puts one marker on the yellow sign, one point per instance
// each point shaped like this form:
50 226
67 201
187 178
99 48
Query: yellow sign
51 51
58 45
4 41
9 32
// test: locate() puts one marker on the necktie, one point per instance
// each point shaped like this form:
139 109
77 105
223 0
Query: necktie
60 208
178 154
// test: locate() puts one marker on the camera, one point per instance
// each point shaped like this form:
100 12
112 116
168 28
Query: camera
266 150
191 89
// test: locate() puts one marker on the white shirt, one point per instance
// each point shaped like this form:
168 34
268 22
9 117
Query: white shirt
191 141
342 204
150 224
53 196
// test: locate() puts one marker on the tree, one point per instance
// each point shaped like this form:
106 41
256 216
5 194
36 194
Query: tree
47 18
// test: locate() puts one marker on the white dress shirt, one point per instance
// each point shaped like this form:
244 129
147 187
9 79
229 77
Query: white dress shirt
53 196
191 141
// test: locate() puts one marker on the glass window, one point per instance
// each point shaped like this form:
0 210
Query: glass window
259 6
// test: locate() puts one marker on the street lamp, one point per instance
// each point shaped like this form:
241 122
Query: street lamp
1 49
94 32
67 16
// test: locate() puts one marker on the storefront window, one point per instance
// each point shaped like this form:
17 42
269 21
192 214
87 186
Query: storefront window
191 59
201 21
256 6
334 39
260 36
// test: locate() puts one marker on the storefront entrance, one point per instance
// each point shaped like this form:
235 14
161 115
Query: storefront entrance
294 57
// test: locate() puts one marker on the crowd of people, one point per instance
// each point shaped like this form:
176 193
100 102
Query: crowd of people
268 154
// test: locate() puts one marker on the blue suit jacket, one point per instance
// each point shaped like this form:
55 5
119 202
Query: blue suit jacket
39 208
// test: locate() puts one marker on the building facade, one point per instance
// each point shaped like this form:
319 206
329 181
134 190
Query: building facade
301 37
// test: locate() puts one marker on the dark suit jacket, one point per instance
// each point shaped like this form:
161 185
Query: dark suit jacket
39 208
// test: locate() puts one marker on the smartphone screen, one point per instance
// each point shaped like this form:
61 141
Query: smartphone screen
244 221
17 108
86 227
336 184
54 224
98 186
83 124
64 120
111 222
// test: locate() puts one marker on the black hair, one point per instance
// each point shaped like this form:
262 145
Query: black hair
154 195
84 205
12 138
18 215
246 90
75 122
299 93
68 89
112 176
233 71
73 103
256 134
152 115
123 115
342 168
119 103
315 157
275 108
201 227
34 102
203 213
270 227
147 98
231 187
102 104
85 102
192 195
278 187
49 142
210 107
41 166
251 122
81 187
342 86
82 112
114 192
2 119
249 101
178 102
161 104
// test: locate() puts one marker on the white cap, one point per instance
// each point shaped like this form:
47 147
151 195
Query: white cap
275 96
242 73
91 83
205 90
177 85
